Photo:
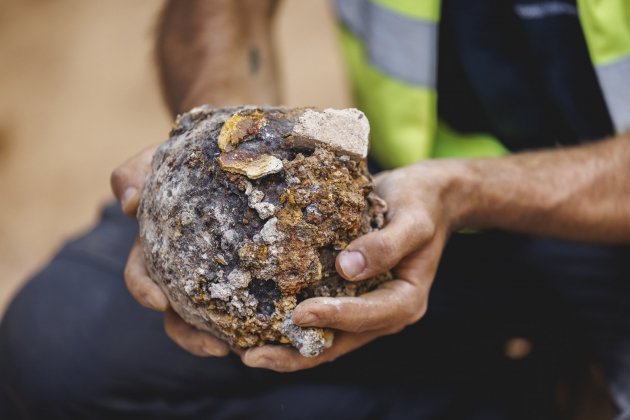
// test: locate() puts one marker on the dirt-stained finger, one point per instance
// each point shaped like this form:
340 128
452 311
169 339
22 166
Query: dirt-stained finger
380 251
191 339
139 284
394 304
286 359
127 180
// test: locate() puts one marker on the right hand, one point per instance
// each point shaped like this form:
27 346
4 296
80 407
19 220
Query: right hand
127 181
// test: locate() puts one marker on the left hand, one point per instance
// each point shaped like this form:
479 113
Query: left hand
419 221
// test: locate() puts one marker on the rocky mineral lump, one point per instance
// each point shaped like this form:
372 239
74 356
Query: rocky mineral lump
244 212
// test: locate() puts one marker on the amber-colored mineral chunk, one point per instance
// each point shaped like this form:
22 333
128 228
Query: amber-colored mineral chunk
238 127
249 164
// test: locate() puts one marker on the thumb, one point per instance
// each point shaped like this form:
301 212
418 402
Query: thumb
380 251
127 180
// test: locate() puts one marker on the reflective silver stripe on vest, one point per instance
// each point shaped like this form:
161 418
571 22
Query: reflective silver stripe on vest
402 47
352 14
545 9
614 78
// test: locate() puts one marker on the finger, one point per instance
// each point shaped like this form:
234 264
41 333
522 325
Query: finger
140 285
395 304
287 359
380 251
380 177
127 180
191 339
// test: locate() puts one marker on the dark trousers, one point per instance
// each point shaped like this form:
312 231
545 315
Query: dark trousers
74 344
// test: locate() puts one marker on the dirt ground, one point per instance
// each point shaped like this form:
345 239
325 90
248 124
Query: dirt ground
78 95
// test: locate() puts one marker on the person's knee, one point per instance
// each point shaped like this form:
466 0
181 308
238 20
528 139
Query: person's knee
47 335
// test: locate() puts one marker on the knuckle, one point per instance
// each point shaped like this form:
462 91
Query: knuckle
333 312
118 176
134 286
417 314
384 255
384 245
358 319
416 307
426 228
415 317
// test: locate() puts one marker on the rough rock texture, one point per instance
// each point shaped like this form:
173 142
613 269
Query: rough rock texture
244 212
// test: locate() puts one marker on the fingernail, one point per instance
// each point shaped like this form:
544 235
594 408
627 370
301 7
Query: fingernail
261 362
307 319
352 263
126 197
210 351
148 302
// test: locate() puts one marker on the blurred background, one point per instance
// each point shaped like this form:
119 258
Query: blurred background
78 96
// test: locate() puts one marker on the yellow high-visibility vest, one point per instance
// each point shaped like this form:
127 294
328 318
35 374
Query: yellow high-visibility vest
391 50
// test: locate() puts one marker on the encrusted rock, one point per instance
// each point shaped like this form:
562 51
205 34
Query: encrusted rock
244 212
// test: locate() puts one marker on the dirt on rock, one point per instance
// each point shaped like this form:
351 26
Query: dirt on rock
245 211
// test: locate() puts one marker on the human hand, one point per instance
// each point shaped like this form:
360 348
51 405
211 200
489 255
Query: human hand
420 217
127 181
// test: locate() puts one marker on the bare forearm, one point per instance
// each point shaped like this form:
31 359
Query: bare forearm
218 52
580 193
